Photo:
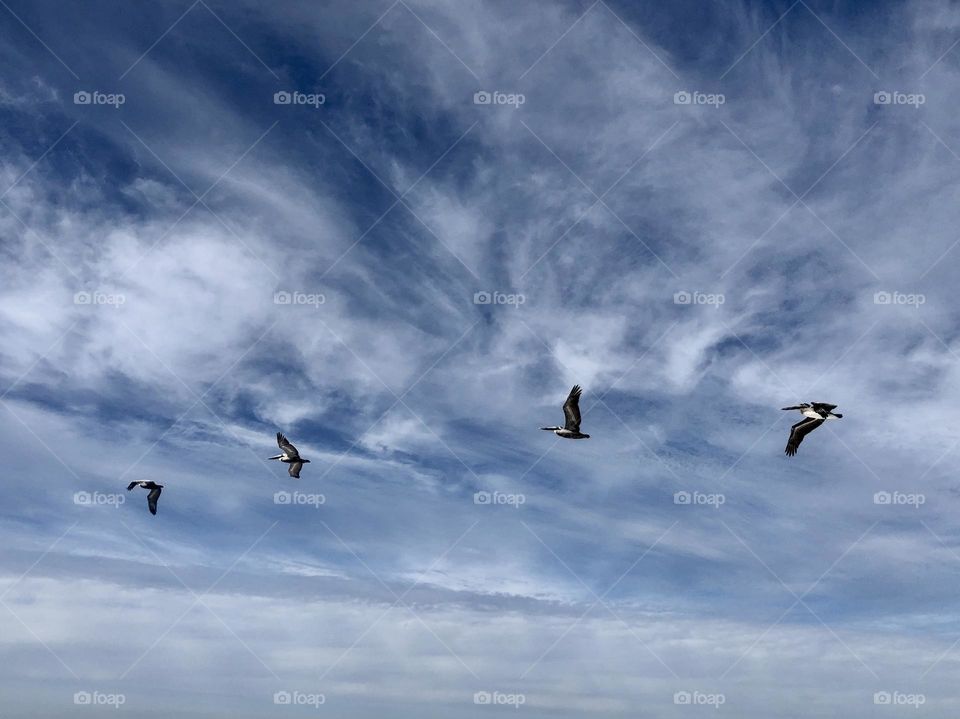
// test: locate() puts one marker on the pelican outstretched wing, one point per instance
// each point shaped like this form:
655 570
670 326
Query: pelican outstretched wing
798 432
294 469
571 409
152 499
285 445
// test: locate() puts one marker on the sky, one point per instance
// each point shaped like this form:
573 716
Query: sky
399 232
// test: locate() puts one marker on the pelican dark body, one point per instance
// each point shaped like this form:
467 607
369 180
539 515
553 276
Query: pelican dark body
571 411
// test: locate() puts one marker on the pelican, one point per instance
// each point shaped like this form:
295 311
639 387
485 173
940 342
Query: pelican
290 456
571 411
815 414
154 495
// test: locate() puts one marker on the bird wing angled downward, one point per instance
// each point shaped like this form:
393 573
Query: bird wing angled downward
571 409
285 445
798 432
152 499
294 469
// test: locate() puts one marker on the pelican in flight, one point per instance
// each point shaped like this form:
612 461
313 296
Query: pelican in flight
290 456
571 411
154 495
815 414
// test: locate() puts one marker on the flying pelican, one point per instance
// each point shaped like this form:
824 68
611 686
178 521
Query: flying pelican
815 414
290 456
571 410
154 495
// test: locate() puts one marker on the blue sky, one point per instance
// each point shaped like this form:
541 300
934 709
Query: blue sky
790 166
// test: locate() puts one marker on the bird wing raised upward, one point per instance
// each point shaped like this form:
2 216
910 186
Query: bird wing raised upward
132 485
152 499
571 409
294 469
823 406
285 445
798 432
